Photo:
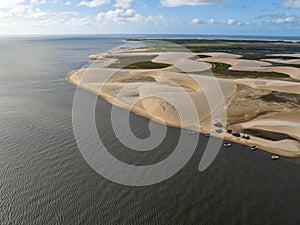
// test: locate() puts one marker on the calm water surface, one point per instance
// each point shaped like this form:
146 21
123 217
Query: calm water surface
45 180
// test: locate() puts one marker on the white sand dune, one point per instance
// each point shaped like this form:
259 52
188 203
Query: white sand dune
180 99
251 65
271 85
281 61
291 71
279 123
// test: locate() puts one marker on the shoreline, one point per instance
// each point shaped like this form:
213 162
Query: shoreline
227 137
95 80
292 39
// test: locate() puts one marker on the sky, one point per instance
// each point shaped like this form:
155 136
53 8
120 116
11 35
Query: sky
223 17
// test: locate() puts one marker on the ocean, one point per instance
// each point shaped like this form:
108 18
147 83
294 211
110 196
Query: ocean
44 179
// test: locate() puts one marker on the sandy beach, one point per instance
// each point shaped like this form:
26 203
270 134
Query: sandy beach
179 97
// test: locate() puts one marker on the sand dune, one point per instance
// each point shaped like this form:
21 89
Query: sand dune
279 123
175 96
281 61
272 85
291 71
251 65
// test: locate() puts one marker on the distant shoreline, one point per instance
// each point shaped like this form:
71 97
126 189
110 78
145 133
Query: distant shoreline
260 39
161 36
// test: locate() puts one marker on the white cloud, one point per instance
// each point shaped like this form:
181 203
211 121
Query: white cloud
175 3
79 21
195 21
292 4
9 4
128 15
283 19
68 3
26 14
36 13
93 3
125 4
230 22
155 20
210 21
38 1
119 16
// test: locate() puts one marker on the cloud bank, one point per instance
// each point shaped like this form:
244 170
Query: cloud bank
293 4
176 3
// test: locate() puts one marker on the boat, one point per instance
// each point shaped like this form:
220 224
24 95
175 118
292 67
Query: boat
236 134
253 148
227 145
208 135
275 157
229 131
218 124
246 136
220 131
192 132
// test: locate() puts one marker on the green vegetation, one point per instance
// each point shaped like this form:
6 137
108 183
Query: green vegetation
250 49
272 98
147 65
124 61
162 46
202 56
284 64
281 97
222 70
281 57
141 79
137 62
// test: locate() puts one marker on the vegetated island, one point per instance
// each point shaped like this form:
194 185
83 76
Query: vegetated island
259 82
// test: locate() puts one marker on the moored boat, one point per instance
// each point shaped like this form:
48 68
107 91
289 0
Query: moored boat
275 157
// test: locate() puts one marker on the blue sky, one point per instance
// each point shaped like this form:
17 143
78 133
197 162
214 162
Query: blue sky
230 17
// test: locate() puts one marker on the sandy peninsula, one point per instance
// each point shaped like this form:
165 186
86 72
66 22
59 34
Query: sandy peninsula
178 89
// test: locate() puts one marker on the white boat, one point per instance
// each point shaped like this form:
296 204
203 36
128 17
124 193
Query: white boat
275 157
208 135
227 145
253 148
246 136
192 132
